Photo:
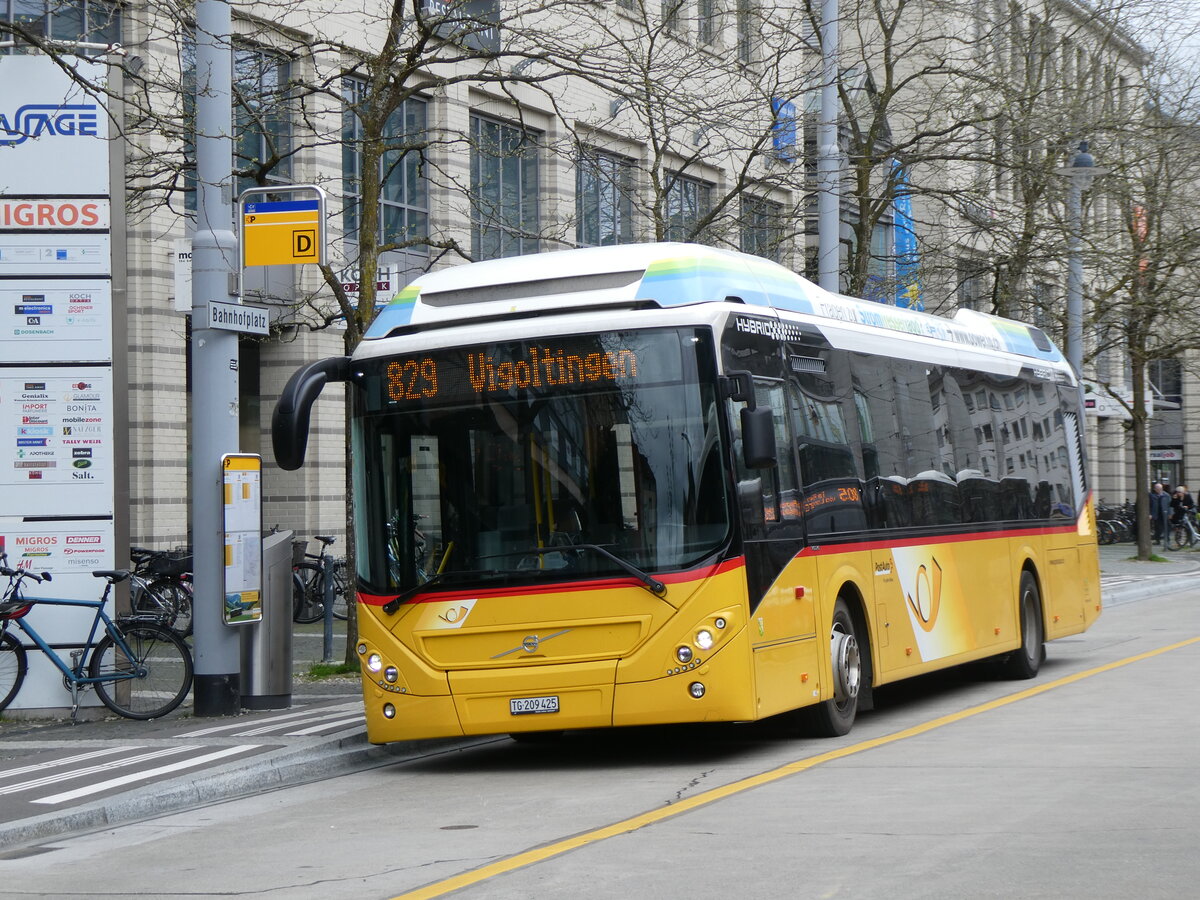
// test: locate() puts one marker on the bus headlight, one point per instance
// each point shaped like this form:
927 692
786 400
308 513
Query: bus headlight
390 674
374 662
705 639
389 711
684 654
696 689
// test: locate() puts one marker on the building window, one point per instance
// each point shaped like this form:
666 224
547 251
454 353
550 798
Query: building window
262 136
762 227
90 21
706 21
261 124
504 189
1166 379
745 32
404 189
672 10
971 287
603 199
688 201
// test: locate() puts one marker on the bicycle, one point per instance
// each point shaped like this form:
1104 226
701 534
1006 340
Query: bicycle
308 584
1184 533
139 668
160 586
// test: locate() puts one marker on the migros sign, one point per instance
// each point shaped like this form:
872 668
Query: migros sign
56 214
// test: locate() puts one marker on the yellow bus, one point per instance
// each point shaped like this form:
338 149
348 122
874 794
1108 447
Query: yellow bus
668 483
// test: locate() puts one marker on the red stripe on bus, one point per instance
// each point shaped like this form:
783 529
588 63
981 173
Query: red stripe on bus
561 586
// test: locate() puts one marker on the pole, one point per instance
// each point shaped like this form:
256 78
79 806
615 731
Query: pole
327 583
829 156
217 686
1075 273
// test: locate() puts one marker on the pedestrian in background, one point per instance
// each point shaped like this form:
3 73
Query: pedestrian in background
1160 511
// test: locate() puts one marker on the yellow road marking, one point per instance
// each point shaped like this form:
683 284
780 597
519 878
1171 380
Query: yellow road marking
540 854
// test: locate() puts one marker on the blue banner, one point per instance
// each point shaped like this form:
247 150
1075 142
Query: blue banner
908 259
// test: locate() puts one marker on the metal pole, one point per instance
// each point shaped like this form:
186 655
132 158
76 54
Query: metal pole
1075 273
217 688
829 156
327 642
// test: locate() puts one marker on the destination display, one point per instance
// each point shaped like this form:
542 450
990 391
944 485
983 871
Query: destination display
620 359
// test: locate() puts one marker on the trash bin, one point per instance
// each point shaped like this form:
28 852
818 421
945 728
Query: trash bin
267 644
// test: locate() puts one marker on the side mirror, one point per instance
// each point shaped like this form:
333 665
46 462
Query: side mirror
758 438
289 421
46 576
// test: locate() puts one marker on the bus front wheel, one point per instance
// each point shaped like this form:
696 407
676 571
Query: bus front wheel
835 717
1025 661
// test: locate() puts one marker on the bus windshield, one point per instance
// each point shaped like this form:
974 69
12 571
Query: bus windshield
538 460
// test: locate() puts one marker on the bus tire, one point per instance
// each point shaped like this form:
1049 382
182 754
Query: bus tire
835 717
1025 661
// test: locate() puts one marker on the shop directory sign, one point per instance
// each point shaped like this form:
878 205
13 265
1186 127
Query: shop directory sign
55 320
58 420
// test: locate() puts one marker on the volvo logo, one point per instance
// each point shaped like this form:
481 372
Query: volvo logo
531 643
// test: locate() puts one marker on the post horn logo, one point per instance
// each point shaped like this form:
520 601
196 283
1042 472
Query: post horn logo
926 598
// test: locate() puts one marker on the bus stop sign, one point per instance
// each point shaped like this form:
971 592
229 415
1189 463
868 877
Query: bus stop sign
282 232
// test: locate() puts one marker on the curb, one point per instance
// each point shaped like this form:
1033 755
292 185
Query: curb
340 755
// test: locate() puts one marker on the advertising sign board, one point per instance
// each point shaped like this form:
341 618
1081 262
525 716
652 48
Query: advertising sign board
45 255
57 437
61 321
69 551
57 431
53 133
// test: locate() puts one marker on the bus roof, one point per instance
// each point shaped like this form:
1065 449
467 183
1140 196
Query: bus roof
671 274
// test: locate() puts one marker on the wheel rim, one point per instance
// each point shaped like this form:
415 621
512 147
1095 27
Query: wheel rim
847 664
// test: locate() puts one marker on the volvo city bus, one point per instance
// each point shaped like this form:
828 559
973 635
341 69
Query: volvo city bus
666 483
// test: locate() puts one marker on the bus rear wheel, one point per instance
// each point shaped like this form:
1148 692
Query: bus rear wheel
1025 661
835 717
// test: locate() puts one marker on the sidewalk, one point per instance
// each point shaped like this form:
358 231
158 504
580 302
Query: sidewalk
57 779
1124 579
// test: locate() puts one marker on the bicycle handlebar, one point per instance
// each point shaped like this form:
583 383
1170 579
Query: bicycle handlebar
25 573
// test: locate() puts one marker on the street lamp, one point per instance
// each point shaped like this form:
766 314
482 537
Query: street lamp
1082 172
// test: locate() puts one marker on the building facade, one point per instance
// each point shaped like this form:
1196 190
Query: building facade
518 130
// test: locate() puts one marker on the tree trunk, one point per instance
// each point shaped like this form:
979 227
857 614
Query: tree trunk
1141 454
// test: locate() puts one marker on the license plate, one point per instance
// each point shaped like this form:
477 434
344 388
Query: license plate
528 706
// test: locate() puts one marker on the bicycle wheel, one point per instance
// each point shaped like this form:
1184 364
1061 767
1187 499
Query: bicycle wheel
13 666
340 603
308 593
147 601
1177 537
180 595
151 679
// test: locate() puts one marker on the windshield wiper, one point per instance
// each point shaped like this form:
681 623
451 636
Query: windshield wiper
408 593
396 602
652 584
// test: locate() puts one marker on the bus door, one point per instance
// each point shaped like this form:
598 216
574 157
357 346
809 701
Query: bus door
780 581
1068 587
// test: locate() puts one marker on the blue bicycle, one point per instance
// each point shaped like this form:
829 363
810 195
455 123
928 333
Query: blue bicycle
140 669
